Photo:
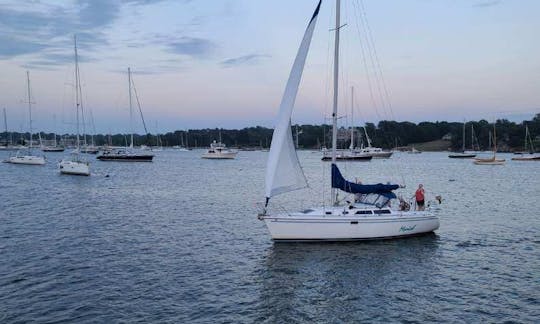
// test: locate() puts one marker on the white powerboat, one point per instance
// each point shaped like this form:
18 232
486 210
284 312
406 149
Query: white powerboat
218 150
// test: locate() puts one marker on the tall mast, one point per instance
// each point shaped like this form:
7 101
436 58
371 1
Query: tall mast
463 136
352 119
77 88
54 125
29 105
526 133
494 140
472 136
130 108
335 104
5 124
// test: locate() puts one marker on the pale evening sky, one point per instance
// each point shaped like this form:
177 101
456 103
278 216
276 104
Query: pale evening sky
224 63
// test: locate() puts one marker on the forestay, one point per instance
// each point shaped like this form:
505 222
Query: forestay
283 171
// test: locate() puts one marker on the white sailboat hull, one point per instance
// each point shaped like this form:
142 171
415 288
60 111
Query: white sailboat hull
297 227
74 168
27 159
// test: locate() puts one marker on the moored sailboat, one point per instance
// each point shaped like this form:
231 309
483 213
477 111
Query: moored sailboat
368 217
126 154
27 158
462 154
529 154
75 166
492 160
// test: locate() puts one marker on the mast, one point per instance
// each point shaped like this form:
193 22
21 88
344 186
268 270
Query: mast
5 125
367 137
130 108
494 140
472 136
352 120
526 133
463 136
336 88
489 139
29 105
77 87
54 124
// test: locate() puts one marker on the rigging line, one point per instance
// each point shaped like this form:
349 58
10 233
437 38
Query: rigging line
372 60
377 61
366 69
139 105
78 88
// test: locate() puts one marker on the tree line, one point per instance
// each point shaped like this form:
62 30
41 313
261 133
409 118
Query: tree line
386 134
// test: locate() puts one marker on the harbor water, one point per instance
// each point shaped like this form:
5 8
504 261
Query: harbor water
178 240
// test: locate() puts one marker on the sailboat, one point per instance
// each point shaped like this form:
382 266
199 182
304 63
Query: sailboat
462 154
27 158
492 160
351 154
369 216
376 152
219 151
527 155
52 148
7 144
126 155
75 166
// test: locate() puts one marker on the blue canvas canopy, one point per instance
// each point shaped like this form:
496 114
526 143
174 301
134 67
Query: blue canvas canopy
339 182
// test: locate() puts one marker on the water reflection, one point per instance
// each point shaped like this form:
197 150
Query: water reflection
309 281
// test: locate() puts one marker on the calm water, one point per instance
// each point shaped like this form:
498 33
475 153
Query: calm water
178 240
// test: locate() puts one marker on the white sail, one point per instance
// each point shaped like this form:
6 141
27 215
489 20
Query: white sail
283 171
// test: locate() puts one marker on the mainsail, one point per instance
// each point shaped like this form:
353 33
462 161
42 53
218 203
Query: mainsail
283 171
339 182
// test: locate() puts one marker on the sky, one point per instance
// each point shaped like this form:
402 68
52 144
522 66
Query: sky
224 63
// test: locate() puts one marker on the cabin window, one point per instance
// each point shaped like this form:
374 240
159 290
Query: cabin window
382 211
328 213
363 212
354 222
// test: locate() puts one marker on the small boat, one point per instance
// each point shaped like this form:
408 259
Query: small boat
124 155
376 152
492 160
528 154
414 151
89 149
489 161
28 158
347 155
369 217
527 158
53 149
462 154
219 151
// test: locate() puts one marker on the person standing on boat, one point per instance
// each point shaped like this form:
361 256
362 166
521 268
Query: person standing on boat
419 194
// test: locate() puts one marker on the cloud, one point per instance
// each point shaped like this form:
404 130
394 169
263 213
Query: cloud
34 27
486 4
18 46
194 47
242 60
